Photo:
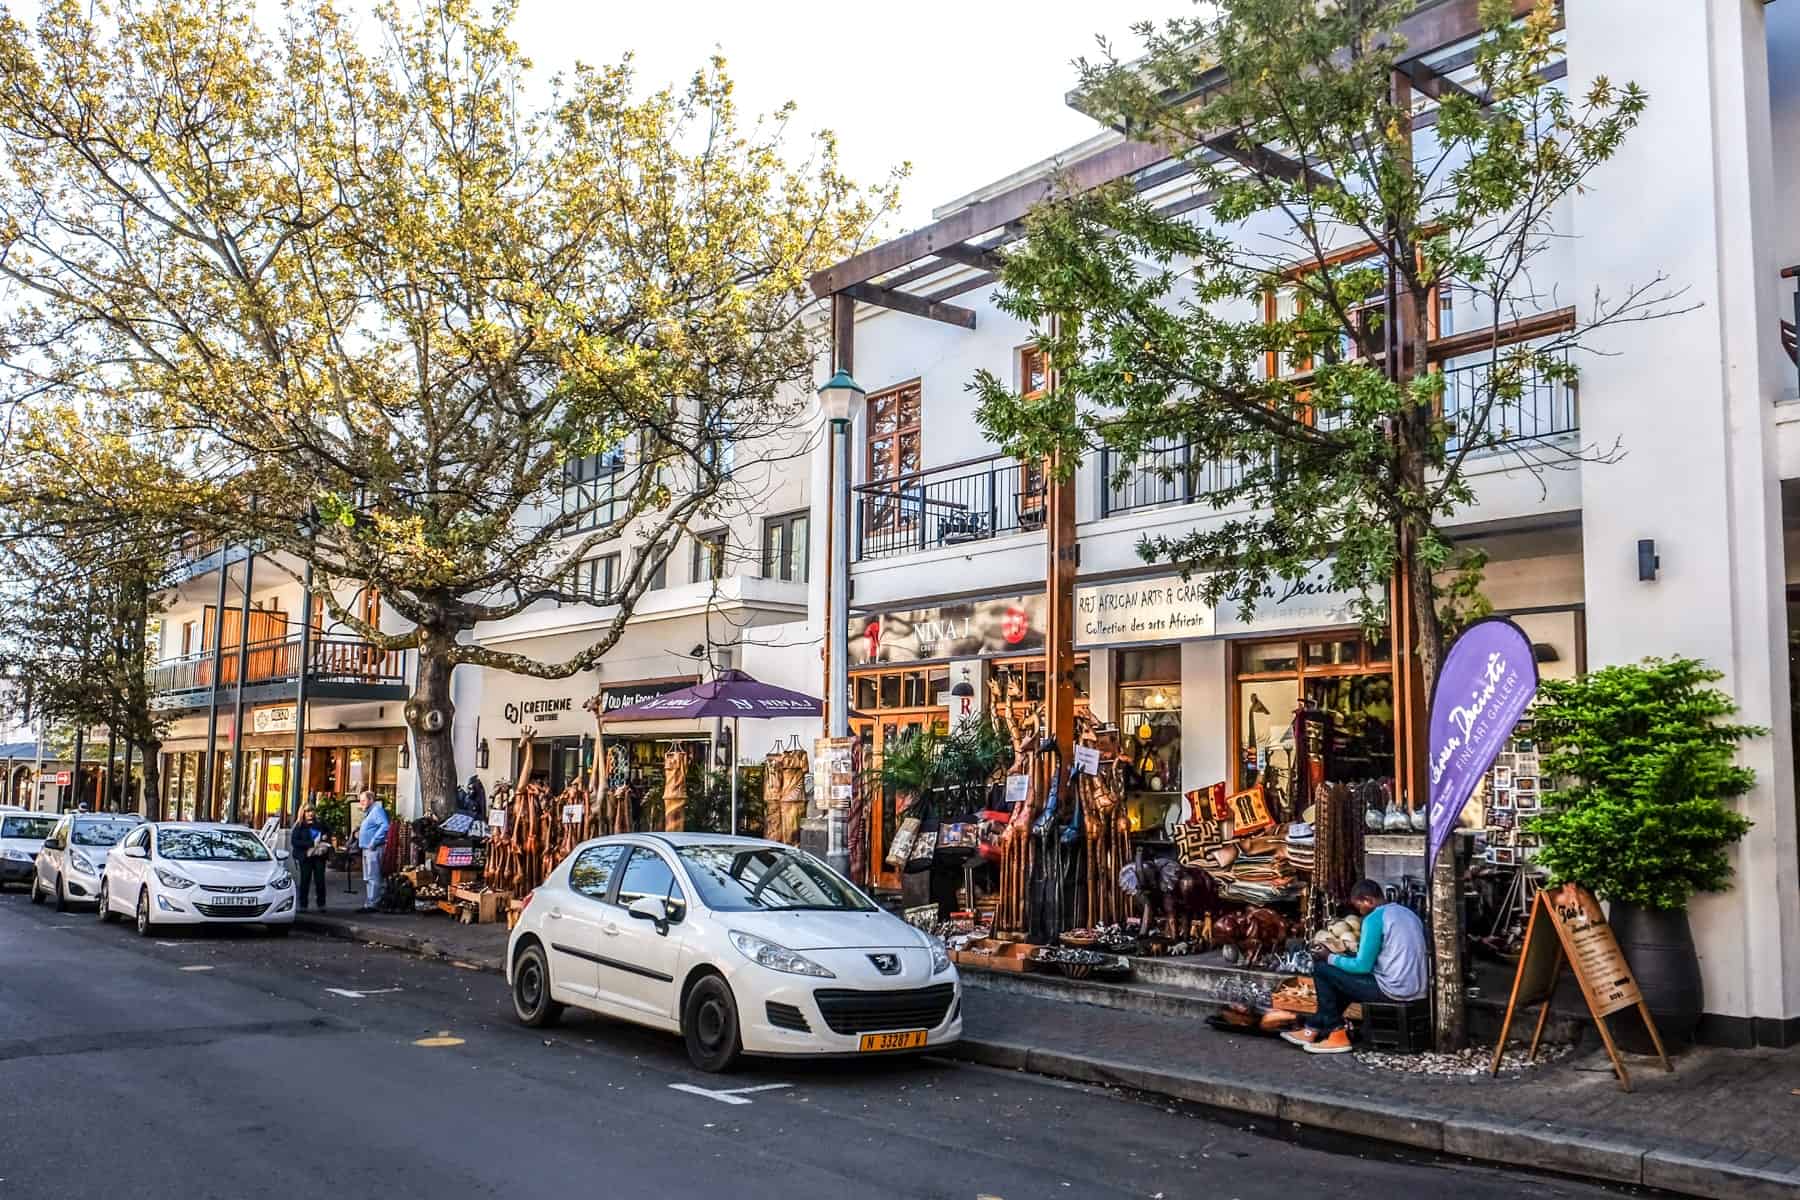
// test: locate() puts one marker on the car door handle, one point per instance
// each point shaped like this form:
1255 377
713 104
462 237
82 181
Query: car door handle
555 914
609 929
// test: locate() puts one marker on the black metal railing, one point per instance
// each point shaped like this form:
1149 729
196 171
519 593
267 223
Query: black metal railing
952 505
1169 473
333 659
1547 406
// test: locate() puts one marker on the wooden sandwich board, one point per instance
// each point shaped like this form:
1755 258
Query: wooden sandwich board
1567 926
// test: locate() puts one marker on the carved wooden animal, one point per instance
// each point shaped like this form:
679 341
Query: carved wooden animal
1252 931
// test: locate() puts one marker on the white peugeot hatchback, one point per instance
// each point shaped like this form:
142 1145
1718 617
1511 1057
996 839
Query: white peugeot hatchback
742 946
189 873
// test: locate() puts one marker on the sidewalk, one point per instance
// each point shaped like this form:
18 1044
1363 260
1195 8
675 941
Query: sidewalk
1724 1124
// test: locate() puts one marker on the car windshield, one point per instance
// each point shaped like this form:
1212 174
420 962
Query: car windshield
100 833
191 845
35 828
738 878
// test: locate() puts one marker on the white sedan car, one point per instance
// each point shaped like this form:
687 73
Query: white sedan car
189 873
742 946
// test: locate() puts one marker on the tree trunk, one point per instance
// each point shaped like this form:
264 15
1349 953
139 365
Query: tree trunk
431 715
152 751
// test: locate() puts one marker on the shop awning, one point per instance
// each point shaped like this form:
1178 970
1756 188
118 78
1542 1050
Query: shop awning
732 694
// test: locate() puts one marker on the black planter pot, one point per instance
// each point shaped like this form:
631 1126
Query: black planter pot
1660 948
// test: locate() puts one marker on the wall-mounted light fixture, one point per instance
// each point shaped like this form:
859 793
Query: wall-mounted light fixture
1648 560
481 755
405 753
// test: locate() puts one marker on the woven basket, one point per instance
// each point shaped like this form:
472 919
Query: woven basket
1080 941
1077 970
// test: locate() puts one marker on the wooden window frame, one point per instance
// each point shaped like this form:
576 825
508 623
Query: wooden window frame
1034 485
891 514
1366 664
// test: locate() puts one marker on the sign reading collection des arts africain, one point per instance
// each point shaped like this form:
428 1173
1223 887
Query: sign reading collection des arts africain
1486 681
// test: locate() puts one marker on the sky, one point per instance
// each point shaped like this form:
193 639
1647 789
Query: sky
967 92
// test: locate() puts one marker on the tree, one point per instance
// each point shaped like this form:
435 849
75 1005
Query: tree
1308 376
399 323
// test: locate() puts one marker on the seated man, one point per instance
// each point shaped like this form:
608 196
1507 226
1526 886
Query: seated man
1389 965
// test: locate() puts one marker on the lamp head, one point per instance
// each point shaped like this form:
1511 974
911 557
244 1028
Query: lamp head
840 396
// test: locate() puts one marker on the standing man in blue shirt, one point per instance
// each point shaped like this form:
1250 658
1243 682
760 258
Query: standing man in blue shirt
1389 964
371 837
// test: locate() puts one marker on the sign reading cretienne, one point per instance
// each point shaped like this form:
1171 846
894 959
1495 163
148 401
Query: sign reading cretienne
1142 610
537 711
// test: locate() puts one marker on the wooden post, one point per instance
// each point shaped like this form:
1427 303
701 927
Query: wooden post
1062 561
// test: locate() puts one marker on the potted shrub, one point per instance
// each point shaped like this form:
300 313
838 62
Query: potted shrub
1641 767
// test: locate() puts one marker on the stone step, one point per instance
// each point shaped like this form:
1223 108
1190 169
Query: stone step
1129 996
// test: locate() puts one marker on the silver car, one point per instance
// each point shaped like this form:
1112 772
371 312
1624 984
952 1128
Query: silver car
72 862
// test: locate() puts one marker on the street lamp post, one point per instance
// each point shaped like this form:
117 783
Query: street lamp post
839 399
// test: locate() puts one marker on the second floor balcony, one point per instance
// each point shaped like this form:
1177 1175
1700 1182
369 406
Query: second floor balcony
336 668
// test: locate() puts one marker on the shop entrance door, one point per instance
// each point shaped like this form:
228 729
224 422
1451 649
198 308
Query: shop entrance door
877 735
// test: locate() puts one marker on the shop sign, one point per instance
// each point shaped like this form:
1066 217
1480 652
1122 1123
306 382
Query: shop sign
626 695
966 709
834 762
1169 609
1166 609
970 629
537 712
275 718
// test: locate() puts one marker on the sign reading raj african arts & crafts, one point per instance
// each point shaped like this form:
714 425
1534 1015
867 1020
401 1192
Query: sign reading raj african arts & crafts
1486 681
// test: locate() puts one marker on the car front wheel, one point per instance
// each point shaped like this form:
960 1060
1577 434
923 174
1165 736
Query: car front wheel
531 990
37 892
62 896
107 915
143 913
709 1025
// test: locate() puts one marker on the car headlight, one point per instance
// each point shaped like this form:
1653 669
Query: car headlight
172 880
83 862
765 953
281 882
17 855
940 957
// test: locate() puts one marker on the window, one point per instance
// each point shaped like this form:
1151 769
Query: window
30 828
1034 380
709 556
648 875
590 492
140 838
593 870
738 878
102 832
659 574
785 547
1344 681
894 433
594 580
719 452
1034 371
201 845
190 631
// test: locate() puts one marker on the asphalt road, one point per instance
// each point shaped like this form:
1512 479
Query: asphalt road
221 1064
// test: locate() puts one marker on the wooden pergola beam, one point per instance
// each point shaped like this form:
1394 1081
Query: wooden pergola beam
1265 161
979 257
906 302
1439 87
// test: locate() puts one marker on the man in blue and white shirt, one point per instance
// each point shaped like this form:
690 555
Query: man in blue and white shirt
1389 964
371 838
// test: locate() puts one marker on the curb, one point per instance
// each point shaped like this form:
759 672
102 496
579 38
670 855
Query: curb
1592 1154
397 939
1713 1171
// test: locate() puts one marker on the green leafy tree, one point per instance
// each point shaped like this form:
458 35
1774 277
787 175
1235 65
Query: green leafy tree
1161 325
1644 767
371 303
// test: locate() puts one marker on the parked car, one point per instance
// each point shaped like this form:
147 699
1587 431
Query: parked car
742 946
197 873
22 835
73 859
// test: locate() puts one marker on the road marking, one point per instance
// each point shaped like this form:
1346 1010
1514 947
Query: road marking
347 994
168 943
196 968
443 1038
730 1095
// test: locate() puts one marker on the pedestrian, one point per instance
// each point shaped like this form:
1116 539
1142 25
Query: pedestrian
309 843
1389 965
371 836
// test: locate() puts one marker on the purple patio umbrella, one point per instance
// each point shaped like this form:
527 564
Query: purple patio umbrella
733 694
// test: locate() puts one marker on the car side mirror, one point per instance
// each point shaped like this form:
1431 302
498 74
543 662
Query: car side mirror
136 852
651 908
282 855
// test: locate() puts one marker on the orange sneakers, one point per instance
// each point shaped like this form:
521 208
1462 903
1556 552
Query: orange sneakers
1303 1037
1335 1042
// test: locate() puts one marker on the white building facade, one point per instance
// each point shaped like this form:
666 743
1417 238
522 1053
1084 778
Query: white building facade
949 556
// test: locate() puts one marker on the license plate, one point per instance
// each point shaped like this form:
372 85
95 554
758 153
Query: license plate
910 1039
237 901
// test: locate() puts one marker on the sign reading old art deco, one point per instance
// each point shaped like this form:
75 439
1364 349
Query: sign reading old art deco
626 695
971 629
